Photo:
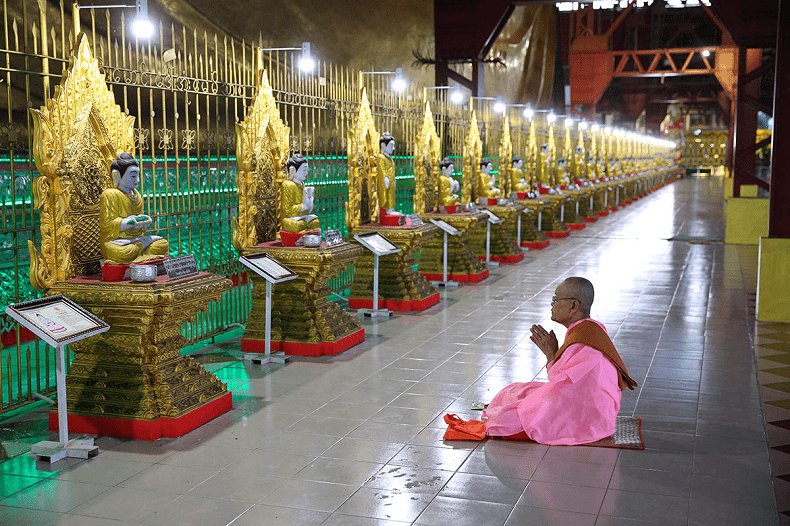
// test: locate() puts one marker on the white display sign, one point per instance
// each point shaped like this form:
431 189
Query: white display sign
268 268
57 320
376 243
492 217
450 229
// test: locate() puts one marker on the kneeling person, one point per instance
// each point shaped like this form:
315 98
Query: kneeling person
580 402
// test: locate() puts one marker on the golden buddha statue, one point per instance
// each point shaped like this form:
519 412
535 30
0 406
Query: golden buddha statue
591 168
297 199
543 166
517 181
578 165
122 223
448 187
485 181
386 173
562 172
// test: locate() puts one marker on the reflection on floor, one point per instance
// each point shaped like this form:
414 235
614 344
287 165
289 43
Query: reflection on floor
356 439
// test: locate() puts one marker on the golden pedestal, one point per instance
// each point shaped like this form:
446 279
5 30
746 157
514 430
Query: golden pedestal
462 265
572 216
552 225
503 247
531 236
401 288
131 381
304 321
601 199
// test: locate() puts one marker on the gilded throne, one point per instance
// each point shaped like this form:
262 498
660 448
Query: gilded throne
130 381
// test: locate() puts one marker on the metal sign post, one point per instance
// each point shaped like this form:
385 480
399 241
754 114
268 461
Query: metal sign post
59 321
380 246
272 271
495 219
448 230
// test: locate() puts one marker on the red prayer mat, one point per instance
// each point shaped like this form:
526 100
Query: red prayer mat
627 433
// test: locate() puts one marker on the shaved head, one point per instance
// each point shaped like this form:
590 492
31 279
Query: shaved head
581 289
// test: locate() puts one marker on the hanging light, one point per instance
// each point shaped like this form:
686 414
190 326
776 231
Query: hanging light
306 62
528 112
568 122
551 117
582 125
398 83
142 26
499 106
456 96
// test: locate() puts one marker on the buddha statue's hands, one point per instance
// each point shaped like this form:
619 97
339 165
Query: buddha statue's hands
386 182
545 340
136 222
308 198
454 185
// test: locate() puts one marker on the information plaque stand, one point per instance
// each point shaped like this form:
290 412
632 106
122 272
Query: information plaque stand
450 230
273 272
380 246
495 219
59 321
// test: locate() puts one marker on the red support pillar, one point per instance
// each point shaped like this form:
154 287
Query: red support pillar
779 206
743 159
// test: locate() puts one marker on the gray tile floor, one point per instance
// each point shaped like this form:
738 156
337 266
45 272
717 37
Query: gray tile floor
356 439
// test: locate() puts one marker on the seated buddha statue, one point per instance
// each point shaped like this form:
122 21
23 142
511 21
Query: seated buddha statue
298 198
386 174
517 181
544 177
591 168
122 223
448 187
485 182
578 165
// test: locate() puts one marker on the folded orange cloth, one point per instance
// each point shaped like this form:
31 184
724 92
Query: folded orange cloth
458 429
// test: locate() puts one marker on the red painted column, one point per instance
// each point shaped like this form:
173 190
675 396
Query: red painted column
743 164
779 206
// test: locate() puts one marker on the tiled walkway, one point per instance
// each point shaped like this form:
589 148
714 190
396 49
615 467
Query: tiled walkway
356 439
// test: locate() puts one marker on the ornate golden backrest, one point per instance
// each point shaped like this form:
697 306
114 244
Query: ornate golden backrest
505 159
473 153
363 203
427 156
261 153
77 135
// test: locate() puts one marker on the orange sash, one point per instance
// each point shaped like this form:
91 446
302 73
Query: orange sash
589 333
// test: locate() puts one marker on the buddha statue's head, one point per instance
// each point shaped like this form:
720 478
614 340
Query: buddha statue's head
544 149
485 165
590 159
447 167
297 168
125 173
517 162
579 151
387 144
562 162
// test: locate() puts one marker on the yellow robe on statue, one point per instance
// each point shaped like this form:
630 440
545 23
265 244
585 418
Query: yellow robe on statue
293 220
484 188
515 180
386 168
445 192
131 245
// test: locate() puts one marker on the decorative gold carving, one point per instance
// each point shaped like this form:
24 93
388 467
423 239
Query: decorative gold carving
460 259
473 152
427 156
398 281
301 310
505 158
262 147
363 141
76 137
135 370
503 235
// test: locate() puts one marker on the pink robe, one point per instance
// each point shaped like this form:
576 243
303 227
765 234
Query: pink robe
578 404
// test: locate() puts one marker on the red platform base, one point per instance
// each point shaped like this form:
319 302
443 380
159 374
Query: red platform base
397 306
145 429
558 235
536 245
504 259
576 226
460 278
613 209
602 214
306 349
590 219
